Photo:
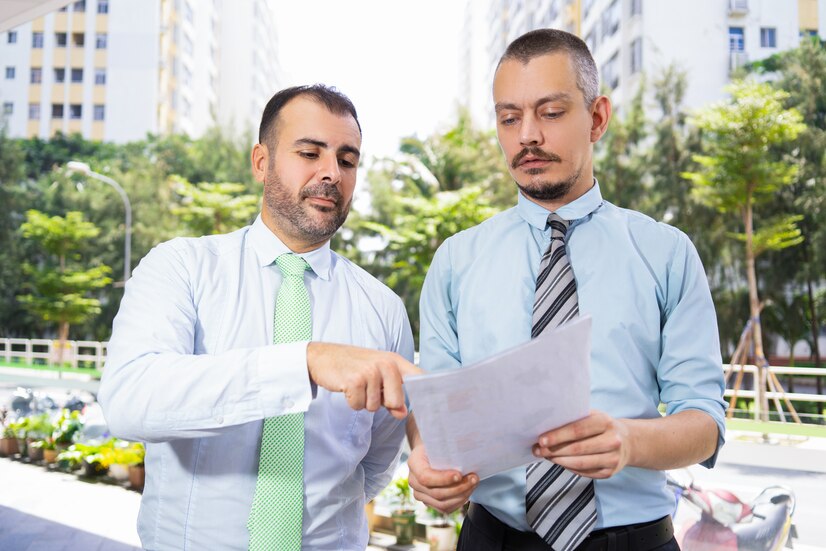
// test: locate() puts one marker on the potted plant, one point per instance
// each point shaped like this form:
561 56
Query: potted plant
137 471
8 435
66 427
38 427
50 451
70 459
121 457
404 517
440 531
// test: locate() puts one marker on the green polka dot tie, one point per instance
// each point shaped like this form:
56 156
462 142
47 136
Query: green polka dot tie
275 518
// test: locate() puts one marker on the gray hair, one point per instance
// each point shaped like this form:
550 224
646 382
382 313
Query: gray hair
547 41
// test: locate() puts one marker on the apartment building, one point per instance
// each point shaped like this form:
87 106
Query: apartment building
115 70
708 39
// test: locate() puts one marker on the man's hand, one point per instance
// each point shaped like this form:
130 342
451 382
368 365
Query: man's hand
597 446
445 491
369 379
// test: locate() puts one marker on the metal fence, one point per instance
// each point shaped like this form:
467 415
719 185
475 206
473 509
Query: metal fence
90 354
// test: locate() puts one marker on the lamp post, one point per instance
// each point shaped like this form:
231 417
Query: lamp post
83 168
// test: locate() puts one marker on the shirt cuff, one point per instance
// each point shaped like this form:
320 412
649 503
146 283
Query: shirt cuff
285 385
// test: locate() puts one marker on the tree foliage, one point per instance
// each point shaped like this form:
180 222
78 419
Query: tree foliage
212 208
60 293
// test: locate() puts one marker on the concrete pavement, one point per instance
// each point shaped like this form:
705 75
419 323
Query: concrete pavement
42 510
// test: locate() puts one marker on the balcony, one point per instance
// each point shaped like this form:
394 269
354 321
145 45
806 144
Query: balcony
736 60
738 7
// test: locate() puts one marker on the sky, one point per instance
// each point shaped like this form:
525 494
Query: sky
396 60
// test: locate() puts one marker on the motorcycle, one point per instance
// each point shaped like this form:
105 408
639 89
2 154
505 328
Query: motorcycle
727 523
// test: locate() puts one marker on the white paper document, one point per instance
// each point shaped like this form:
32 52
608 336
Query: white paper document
485 417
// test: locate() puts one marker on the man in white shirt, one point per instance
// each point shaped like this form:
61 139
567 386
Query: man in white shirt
193 370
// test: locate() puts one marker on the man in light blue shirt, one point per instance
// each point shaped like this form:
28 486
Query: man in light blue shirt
654 328
193 371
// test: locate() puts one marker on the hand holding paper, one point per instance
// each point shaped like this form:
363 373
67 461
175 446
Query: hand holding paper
485 418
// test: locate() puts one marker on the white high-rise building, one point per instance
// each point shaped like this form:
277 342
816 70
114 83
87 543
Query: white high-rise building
628 38
116 70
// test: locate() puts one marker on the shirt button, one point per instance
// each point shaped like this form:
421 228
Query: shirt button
287 403
219 420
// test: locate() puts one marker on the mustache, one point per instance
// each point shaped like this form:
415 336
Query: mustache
322 189
535 152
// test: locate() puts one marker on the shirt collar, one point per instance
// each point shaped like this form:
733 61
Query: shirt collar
268 247
537 216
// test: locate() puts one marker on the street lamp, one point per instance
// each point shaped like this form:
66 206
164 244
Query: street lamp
83 168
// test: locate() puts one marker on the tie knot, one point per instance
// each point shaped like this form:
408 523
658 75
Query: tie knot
291 265
559 226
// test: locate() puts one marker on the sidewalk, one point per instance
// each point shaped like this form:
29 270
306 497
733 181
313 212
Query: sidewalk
41 510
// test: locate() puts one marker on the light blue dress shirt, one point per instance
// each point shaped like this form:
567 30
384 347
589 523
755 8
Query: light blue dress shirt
654 333
192 371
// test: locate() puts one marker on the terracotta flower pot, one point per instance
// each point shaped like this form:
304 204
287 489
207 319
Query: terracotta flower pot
137 477
50 456
8 447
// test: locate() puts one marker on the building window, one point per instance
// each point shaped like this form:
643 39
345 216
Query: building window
103 6
34 111
36 76
636 7
10 73
736 39
611 19
768 37
100 76
80 5
37 40
78 39
57 110
12 39
64 9
636 56
100 112
77 75
100 41
610 72
60 40
59 74
75 111
8 108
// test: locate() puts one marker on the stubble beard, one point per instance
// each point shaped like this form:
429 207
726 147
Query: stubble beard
546 190
295 215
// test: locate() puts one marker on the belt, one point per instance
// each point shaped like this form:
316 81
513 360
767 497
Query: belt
633 537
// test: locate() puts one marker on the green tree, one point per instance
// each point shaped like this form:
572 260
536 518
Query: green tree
620 157
801 72
211 208
59 293
417 230
431 189
738 171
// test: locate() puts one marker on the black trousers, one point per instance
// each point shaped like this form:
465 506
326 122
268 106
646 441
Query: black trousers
481 531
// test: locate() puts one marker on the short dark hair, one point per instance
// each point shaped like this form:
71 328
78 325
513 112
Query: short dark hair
547 41
336 102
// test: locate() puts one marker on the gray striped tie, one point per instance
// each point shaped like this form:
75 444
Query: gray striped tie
560 505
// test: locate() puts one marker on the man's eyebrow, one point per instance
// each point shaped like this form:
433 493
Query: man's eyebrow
558 96
325 145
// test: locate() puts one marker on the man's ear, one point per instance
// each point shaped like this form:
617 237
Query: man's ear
260 158
600 115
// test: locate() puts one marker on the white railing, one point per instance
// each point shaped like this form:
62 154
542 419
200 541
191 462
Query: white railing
780 370
46 351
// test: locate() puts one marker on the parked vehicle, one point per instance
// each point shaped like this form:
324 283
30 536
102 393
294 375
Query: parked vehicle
727 523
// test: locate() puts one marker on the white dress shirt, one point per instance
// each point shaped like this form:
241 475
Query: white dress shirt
192 371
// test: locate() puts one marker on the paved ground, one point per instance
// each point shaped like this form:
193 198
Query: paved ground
42 510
